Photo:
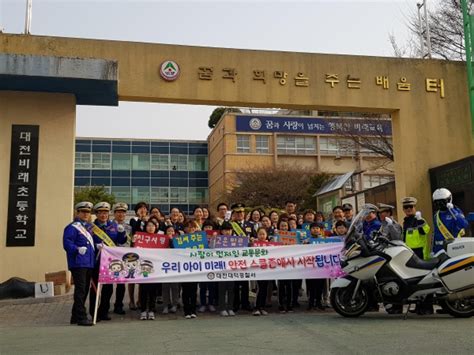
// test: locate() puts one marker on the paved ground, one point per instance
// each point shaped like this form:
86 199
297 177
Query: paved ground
43 328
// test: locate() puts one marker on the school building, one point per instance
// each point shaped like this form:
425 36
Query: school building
160 172
243 142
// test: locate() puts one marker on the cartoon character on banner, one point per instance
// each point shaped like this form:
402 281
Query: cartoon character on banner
131 264
116 268
146 268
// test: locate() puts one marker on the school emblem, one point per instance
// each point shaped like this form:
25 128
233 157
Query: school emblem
169 70
255 124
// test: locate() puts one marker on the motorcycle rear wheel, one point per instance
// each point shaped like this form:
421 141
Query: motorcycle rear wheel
341 301
459 308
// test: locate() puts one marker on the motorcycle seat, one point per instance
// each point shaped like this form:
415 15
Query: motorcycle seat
416 263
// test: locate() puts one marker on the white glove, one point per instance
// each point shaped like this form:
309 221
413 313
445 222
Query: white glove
418 215
450 206
388 220
120 228
99 246
82 250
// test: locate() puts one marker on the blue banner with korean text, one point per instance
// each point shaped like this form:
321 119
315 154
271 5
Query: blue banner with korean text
196 240
316 125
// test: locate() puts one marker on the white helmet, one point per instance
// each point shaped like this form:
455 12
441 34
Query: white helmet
442 194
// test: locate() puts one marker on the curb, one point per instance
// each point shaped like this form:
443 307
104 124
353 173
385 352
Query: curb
32 300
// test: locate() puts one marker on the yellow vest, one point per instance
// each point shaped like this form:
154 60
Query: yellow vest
416 240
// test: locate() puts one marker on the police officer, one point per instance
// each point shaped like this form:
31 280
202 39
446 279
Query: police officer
449 221
241 228
390 228
79 246
415 229
110 233
120 212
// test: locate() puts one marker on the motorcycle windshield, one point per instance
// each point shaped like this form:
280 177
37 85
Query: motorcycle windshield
356 228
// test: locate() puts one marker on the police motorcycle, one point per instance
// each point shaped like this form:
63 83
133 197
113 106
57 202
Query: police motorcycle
385 271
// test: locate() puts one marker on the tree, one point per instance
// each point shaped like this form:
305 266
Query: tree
94 194
446 32
217 114
271 188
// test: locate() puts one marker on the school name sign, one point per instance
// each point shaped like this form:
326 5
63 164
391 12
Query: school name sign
132 265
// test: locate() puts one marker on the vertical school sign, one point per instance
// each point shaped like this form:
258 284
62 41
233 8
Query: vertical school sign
22 186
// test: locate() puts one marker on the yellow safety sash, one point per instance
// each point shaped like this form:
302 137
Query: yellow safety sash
444 230
238 229
103 236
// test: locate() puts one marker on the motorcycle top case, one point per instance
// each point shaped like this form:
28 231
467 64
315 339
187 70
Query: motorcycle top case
458 273
461 246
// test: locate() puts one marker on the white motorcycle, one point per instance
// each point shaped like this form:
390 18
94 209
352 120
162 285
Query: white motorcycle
381 270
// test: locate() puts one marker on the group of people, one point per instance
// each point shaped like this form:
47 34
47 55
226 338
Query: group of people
84 239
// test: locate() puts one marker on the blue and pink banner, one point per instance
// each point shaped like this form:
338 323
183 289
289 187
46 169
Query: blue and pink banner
133 265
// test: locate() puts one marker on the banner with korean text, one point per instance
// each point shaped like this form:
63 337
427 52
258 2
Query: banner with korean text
131 265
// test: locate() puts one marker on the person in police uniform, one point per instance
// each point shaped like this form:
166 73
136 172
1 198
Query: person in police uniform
241 228
116 233
449 221
390 228
79 246
120 212
415 229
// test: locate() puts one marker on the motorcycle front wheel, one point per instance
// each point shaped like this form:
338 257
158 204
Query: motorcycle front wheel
459 308
343 302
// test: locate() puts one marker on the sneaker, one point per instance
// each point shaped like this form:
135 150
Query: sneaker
231 313
212 308
289 310
151 315
193 315
282 309
187 316
173 309
264 312
143 316
256 313
224 313
165 310
202 309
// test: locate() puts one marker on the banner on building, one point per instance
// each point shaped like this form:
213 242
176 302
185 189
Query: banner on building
131 265
22 187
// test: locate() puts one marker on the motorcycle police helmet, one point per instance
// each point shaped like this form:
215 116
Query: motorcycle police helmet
441 197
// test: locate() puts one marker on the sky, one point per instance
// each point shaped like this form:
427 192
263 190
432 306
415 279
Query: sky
336 26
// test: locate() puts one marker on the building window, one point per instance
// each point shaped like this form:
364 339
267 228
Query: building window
243 144
121 161
296 145
376 180
160 162
140 194
140 161
179 162
101 161
83 160
198 163
122 194
261 144
159 195
178 195
336 146
198 195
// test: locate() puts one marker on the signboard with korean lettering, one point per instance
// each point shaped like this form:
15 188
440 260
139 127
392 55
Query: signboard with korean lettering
237 264
147 240
230 241
196 240
315 125
22 186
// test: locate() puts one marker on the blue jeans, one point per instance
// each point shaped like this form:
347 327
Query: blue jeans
211 297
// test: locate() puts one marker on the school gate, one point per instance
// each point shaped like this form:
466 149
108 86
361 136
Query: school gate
42 79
